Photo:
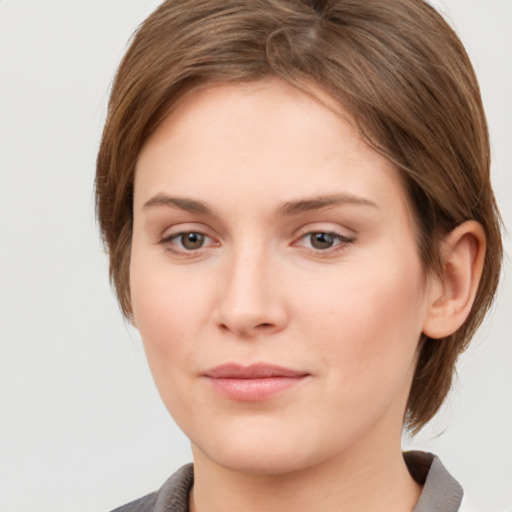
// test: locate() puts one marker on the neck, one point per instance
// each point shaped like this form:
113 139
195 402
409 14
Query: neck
374 479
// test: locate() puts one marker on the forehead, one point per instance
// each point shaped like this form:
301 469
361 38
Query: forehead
264 139
240 109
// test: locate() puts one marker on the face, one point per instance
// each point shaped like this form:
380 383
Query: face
275 279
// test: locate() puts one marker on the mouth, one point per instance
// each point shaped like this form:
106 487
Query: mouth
255 382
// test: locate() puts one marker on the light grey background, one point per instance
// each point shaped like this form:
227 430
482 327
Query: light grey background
81 425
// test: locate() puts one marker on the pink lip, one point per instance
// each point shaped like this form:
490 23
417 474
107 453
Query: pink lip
254 382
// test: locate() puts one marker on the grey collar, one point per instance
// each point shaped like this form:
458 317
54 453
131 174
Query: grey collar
441 492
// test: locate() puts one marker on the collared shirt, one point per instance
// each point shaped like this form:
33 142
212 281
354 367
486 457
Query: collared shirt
441 492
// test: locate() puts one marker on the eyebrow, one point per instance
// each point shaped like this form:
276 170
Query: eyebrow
288 209
183 203
320 202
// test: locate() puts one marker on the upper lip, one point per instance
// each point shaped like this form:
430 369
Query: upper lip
253 371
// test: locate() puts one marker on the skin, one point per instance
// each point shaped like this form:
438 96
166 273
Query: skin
258 290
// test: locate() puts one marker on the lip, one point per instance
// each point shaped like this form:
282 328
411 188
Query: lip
254 382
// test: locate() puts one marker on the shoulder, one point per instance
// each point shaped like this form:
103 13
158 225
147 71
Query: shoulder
171 497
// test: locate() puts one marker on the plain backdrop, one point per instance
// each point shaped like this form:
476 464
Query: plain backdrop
81 425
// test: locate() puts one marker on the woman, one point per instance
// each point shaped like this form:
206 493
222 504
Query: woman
296 201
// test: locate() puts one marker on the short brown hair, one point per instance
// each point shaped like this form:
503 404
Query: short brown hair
395 66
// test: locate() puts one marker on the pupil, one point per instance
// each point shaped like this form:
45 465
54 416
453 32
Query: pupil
322 240
192 240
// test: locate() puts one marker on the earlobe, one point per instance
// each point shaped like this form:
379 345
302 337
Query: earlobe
452 295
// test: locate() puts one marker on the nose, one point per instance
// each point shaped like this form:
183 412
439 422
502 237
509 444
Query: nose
251 298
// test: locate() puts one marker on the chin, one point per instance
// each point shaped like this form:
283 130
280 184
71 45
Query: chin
263 451
259 460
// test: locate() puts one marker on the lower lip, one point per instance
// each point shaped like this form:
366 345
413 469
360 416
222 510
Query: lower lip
250 390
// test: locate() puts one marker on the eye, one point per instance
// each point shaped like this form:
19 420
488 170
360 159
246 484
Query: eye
324 240
190 241
186 242
321 240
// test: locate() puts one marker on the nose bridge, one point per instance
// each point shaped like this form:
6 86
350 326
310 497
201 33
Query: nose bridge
249 301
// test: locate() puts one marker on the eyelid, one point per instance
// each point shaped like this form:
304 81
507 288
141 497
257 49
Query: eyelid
171 233
340 237
344 239
178 234
325 227
180 228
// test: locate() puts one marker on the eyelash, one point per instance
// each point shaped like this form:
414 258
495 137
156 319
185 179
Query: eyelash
342 240
170 246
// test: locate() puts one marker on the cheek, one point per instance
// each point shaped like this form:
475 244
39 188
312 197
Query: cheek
367 318
169 310
170 315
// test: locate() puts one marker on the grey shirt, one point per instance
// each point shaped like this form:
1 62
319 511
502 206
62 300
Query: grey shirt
441 492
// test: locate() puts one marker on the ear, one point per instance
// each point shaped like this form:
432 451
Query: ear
451 296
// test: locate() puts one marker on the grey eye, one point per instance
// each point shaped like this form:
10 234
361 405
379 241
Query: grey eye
321 240
192 240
